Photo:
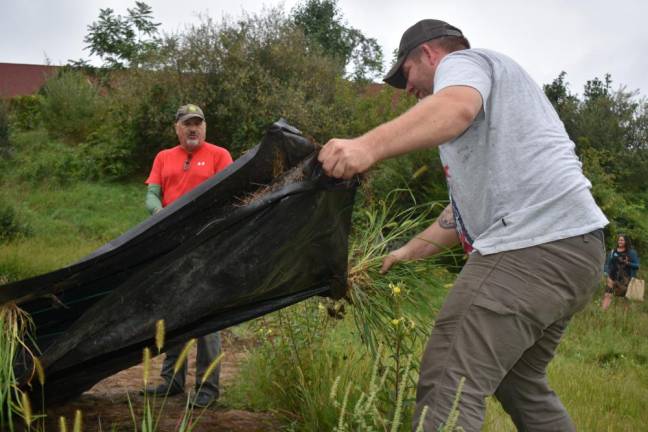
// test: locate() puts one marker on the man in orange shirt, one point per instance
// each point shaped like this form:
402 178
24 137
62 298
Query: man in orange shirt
175 172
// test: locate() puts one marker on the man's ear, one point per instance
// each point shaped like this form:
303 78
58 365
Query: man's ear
430 53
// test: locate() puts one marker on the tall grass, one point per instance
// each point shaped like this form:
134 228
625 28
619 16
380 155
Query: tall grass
14 328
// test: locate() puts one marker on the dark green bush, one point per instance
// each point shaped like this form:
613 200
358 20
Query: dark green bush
108 154
25 112
10 226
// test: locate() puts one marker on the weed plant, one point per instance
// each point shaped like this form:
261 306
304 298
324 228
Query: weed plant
14 328
403 297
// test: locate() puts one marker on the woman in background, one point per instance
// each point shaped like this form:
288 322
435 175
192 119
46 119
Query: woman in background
621 266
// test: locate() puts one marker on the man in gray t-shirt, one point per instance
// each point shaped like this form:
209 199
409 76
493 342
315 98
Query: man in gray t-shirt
519 205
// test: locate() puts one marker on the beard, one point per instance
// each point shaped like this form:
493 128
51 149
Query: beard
192 143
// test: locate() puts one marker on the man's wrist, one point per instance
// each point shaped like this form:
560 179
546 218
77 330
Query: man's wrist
371 148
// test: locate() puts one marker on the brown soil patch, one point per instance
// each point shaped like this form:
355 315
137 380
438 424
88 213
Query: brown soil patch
105 406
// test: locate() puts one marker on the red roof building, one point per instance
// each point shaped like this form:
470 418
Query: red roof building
23 79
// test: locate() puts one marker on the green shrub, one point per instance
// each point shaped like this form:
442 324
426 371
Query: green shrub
10 225
245 74
108 154
144 112
71 106
25 112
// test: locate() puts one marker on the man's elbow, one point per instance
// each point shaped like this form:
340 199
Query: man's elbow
465 115
463 105
460 119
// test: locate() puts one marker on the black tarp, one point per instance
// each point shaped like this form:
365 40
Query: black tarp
232 249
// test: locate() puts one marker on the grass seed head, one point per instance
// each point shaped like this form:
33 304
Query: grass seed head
146 360
212 367
159 335
62 424
26 408
40 372
78 421
183 355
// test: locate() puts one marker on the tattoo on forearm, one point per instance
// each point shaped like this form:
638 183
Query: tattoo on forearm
446 219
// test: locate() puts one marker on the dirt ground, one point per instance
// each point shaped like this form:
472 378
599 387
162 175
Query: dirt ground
105 406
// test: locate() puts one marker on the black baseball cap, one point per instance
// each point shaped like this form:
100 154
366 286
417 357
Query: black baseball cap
414 36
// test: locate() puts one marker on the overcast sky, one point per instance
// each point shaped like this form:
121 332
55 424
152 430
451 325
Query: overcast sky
584 38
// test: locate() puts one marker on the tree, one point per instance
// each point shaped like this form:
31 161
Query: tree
123 41
322 23
565 103
610 129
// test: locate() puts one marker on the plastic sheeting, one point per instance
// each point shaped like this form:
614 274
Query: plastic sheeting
268 231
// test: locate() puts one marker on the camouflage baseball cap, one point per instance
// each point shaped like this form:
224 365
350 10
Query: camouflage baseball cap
185 112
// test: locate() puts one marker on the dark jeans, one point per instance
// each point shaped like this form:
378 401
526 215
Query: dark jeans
209 347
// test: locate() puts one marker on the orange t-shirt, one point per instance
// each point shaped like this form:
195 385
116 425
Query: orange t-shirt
177 172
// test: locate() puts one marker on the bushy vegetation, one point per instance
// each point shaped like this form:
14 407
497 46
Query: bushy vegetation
10 226
319 365
244 73
71 107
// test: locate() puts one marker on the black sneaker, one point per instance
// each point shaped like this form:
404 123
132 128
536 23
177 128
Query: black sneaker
164 389
203 400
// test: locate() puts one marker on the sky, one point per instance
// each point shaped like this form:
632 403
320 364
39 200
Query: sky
586 39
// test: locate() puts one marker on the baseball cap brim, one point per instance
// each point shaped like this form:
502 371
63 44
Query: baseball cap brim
395 77
188 116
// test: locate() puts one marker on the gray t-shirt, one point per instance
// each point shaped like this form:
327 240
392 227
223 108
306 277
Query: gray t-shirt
513 176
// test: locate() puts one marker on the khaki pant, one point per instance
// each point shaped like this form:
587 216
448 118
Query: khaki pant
499 328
